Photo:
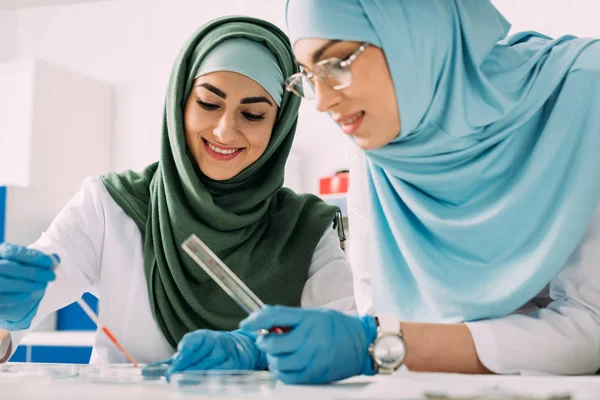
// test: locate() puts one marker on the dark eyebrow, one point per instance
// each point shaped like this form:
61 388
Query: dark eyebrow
257 99
319 53
213 89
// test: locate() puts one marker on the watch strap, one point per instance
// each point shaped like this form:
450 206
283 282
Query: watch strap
389 323
370 326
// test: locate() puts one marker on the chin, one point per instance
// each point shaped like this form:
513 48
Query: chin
218 175
367 144
374 142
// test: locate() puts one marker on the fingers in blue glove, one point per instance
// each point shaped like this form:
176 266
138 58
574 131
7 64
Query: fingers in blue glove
24 276
272 316
16 311
306 376
299 361
218 356
191 350
22 272
293 378
24 255
21 323
19 286
285 343
213 359
9 300
207 349
296 368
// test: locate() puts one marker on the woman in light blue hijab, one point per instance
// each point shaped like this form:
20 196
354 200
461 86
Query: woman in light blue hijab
481 185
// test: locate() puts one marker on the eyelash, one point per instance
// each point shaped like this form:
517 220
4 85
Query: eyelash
249 116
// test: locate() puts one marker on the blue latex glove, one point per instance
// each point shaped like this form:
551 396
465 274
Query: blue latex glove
323 345
24 275
206 349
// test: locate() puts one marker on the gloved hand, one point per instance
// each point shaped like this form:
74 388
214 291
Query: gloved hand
206 349
24 275
323 345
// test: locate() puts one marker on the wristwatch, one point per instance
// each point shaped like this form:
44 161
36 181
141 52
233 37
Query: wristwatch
388 351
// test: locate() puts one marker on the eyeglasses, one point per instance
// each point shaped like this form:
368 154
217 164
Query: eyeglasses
334 72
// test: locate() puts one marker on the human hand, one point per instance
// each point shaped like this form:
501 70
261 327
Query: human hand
322 346
206 349
24 276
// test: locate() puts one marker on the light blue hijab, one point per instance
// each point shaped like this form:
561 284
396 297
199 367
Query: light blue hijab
495 175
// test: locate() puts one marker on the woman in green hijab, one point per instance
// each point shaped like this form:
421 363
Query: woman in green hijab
228 127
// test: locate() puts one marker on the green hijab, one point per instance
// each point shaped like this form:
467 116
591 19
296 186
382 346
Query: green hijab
265 233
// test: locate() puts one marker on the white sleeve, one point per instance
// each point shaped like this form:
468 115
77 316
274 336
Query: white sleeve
563 338
359 241
329 283
77 236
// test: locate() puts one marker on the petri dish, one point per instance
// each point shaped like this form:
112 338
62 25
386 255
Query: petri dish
112 373
155 371
224 382
122 373
40 371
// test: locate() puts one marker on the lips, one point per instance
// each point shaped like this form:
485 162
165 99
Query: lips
350 122
221 153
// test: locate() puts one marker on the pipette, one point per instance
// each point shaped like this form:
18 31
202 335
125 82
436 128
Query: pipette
92 315
225 278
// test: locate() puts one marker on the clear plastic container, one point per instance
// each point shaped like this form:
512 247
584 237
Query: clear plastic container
112 373
224 382
155 371
39 371
123 373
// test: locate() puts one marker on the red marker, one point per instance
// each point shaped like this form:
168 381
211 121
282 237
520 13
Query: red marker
278 330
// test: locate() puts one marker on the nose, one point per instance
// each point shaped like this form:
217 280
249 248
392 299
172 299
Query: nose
325 96
226 130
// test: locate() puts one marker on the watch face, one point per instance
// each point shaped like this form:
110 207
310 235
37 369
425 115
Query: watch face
390 350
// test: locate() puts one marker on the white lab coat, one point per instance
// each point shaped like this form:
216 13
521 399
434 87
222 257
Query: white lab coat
557 332
101 252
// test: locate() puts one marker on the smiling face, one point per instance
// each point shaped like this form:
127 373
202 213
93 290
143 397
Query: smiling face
367 109
228 121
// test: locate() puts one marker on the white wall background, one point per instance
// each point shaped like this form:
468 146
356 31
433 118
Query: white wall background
131 44
61 140
8 35
553 17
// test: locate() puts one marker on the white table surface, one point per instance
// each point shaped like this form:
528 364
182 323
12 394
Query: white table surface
403 385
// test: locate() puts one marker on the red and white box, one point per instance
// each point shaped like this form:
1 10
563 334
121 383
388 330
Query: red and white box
337 183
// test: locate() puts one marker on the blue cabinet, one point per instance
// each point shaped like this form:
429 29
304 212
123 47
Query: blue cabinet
72 317
53 354
20 355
